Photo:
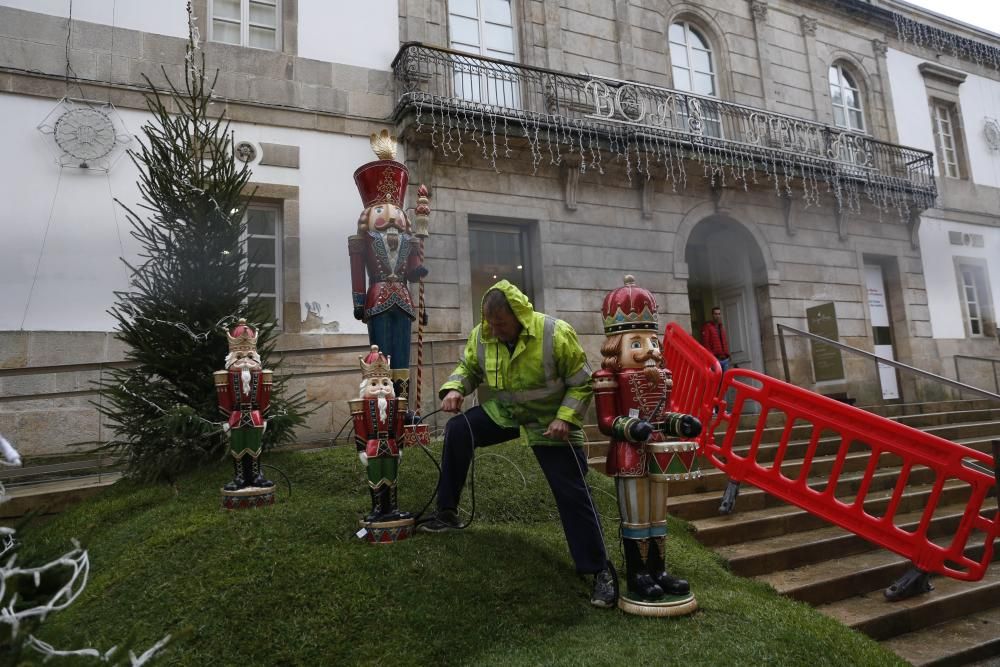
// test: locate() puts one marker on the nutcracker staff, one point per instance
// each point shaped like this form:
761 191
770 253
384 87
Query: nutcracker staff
386 250
379 417
244 395
632 396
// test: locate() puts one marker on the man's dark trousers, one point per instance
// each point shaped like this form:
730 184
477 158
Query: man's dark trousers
563 466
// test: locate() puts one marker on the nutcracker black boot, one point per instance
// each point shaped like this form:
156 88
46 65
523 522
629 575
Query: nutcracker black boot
238 480
374 511
670 584
258 477
638 580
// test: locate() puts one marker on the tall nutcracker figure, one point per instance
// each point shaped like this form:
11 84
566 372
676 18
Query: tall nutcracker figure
632 397
390 252
244 394
379 417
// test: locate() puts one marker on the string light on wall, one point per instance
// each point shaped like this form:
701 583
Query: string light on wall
86 134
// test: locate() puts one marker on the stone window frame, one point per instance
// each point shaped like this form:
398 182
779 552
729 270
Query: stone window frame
714 35
286 198
942 85
856 76
288 31
984 296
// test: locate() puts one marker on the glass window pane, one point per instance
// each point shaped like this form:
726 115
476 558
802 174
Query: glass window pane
263 38
834 77
227 33
857 120
836 96
678 55
463 30
463 7
696 39
227 9
261 280
849 98
682 80
846 79
838 117
677 33
263 14
704 84
260 221
263 307
498 11
500 55
260 251
499 37
702 60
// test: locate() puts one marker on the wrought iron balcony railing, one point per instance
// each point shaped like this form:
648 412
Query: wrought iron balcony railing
463 99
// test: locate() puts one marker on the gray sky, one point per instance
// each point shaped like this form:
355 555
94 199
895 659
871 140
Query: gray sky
980 13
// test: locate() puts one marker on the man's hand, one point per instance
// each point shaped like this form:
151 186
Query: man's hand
557 430
452 401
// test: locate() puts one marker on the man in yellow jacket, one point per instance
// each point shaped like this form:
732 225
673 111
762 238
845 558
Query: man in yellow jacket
534 383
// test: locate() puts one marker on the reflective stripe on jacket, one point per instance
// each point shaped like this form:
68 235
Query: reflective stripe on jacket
546 377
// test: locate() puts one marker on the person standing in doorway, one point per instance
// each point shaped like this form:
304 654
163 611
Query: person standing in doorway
713 337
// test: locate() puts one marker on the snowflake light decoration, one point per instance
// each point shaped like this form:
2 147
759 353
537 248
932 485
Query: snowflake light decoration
87 134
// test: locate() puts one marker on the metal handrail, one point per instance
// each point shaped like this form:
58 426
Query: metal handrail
879 360
994 362
582 109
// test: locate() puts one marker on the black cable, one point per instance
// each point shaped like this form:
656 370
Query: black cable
349 420
282 472
472 474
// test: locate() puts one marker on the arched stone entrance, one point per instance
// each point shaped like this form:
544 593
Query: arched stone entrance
726 267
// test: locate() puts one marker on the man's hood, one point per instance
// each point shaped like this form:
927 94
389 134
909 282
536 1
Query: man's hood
519 303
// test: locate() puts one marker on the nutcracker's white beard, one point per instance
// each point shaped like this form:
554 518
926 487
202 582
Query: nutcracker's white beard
245 379
383 406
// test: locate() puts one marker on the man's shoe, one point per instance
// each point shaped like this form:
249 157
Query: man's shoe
605 594
440 522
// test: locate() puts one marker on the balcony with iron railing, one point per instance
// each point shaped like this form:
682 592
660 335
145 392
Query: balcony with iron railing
484 105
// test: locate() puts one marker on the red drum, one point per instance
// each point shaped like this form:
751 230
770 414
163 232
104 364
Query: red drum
672 461
416 435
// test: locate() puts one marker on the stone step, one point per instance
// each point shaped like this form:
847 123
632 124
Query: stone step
777 555
782 519
871 614
960 641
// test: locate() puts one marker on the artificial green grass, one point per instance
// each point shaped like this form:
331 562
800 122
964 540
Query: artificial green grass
291 585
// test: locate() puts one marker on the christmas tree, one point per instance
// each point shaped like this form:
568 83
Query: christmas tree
190 284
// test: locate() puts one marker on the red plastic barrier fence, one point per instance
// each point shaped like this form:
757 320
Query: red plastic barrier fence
842 438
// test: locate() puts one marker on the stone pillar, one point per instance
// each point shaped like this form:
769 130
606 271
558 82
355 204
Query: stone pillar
821 109
881 49
623 26
553 36
758 12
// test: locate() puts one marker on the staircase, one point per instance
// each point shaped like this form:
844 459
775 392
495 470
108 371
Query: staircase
840 574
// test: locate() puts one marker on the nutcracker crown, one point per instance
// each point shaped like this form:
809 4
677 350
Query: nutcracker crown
243 337
629 308
375 364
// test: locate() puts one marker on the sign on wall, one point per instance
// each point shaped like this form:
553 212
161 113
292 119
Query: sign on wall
827 362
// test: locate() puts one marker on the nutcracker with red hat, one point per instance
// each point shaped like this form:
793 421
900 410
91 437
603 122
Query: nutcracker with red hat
386 255
244 393
379 418
632 397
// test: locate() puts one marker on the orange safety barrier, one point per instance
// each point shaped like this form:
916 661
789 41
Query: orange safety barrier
841 438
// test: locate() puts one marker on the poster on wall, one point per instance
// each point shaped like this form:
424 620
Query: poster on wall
827 362
878 311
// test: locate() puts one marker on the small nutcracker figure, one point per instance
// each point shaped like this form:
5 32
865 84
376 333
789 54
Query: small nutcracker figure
632 396
244 394
386 249
379 417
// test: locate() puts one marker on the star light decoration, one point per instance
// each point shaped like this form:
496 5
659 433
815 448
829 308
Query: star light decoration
87 134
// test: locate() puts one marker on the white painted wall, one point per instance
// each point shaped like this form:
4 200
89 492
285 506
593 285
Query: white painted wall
163 17
943 296
365 34
76 251
979 98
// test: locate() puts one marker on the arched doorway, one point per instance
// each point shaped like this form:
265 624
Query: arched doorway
726 269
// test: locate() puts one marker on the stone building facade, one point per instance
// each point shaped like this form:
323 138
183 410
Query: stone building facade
766 174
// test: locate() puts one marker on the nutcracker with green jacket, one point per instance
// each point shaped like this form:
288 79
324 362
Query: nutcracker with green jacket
244 394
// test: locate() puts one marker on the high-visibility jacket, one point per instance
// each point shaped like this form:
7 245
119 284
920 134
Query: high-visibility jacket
546 377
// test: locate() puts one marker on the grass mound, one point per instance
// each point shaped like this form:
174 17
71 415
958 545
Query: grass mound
291 585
